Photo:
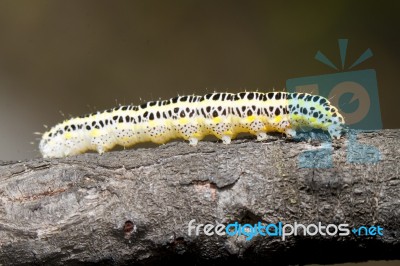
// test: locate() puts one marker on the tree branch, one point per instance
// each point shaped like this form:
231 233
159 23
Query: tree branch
135 205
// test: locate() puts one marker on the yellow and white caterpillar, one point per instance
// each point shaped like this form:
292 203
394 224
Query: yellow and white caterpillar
223 115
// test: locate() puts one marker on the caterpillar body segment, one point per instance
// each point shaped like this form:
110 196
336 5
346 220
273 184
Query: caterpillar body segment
223 115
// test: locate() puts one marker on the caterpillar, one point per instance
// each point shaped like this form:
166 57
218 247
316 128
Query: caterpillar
193 117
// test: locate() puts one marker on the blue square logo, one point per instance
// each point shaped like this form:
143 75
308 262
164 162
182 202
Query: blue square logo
355 93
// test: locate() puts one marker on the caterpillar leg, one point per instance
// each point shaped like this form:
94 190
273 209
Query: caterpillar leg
262 136
290 133
334 131
193 141
226 139
101 149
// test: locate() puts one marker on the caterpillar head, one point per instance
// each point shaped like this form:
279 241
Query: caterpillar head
313 111
335 123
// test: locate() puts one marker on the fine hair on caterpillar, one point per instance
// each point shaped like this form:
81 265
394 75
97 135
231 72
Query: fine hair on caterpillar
193 117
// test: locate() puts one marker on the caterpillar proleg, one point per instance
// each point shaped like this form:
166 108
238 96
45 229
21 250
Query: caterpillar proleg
193 117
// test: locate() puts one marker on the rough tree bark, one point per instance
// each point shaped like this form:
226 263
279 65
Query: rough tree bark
135 205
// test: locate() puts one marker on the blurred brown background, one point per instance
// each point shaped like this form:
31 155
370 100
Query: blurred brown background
80 56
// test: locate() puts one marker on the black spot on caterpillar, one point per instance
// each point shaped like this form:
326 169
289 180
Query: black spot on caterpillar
223 115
